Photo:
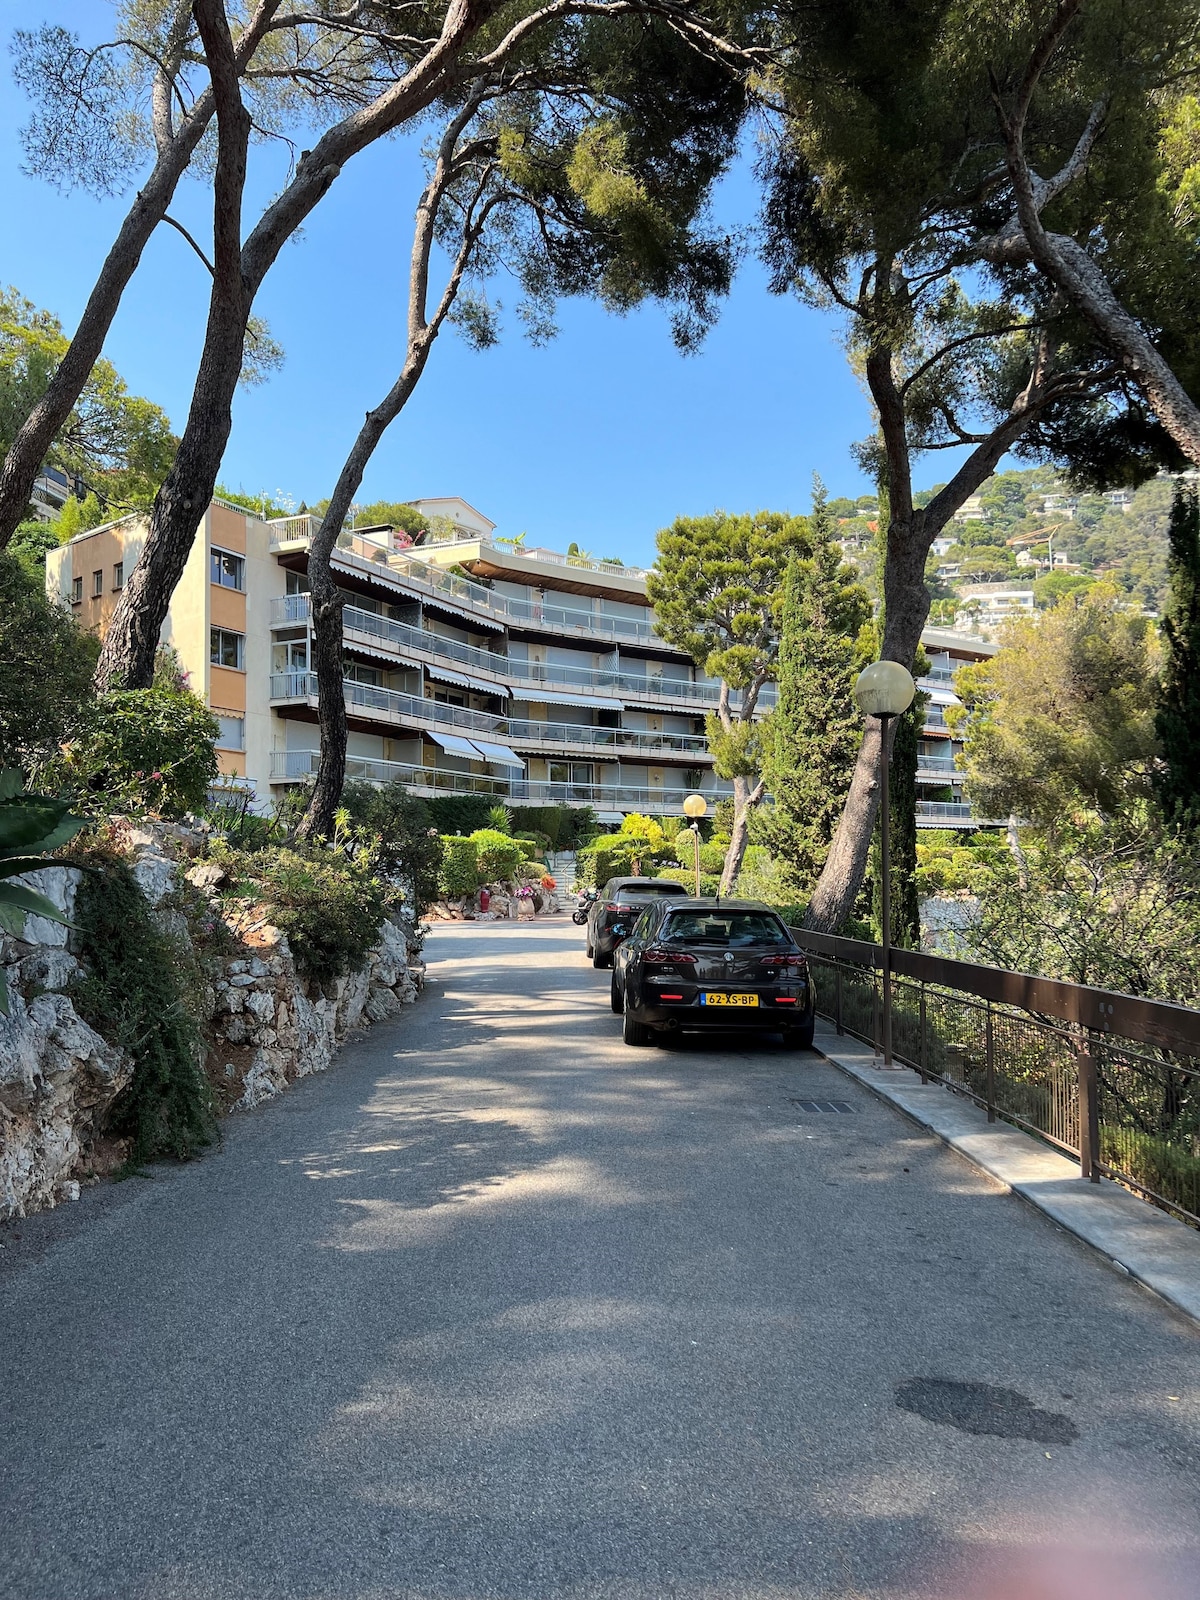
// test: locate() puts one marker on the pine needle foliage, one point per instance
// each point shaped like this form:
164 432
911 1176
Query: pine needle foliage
1178 721
132 995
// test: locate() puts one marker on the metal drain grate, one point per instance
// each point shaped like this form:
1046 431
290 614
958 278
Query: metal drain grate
843 1106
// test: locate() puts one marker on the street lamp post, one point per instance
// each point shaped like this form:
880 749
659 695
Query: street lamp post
695 807
885 690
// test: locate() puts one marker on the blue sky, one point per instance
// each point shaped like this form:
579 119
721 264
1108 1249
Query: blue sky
603 436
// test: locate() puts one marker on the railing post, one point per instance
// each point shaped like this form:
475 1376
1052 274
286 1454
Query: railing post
875 1018
837 986
989 1064
1089 1117
924 1056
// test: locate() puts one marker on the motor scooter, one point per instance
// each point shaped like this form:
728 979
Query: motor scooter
580 914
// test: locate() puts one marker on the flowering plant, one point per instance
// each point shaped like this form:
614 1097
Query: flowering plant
548 882
525 892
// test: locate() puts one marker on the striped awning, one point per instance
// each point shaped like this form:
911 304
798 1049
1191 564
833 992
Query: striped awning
475 618
462 680
498 754
558 697
455 745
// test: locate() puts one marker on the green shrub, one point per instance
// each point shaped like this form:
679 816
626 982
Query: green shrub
563 827
500 856
46 664
143 749
1167 1169
459 813
134 994
500 818
330 905
405 844
459 875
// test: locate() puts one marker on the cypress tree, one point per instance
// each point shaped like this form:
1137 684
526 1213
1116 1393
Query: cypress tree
816 727
1178 721
902 794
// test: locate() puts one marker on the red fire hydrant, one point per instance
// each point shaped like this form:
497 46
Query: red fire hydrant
485 899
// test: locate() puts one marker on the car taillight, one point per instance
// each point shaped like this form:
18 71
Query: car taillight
674 958
784 961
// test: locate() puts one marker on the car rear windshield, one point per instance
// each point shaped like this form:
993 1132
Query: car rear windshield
724 927
635 891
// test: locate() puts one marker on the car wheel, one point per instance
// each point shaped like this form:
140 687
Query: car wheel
589 947
633 1032
614 995
599 959
800 1038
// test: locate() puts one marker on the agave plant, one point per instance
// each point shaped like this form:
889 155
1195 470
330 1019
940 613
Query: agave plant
30 824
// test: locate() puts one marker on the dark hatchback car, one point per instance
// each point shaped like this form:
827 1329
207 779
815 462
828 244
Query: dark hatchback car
729 964
617 908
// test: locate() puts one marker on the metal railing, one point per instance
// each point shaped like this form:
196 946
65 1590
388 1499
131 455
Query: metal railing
935 764
1110 1078
395 705
614 569
510 671
293 766
435 582
944 811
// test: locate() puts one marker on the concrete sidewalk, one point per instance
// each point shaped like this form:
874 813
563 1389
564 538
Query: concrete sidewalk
1157 1250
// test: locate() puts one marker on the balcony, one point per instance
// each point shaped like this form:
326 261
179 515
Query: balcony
947 814
521 676
376 560
395 707
537 553
936 768
296 766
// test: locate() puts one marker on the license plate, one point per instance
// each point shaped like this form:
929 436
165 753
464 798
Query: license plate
707 999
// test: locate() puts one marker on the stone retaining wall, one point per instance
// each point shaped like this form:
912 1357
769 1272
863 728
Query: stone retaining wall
265 1026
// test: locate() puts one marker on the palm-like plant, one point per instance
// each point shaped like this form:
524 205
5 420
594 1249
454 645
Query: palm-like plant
30 824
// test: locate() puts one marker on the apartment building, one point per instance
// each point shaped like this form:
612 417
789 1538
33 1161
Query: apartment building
473 666
939 747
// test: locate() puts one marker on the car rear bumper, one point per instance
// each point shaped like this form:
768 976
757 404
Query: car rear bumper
772 1013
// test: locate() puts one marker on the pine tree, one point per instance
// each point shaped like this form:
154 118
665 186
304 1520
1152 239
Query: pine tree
1178 721
816 728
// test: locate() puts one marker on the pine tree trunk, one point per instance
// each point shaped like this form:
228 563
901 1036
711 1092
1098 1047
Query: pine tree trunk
746 796
317 822
38 432
127 655
907 602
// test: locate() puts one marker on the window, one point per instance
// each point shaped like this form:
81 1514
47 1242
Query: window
97 584
232 734
76 591
570 772
290 656
227 571
119 575
296 583
225 649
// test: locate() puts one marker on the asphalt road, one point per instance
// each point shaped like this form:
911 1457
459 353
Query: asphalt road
500 1307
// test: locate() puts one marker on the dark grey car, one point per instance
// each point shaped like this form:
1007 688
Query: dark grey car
617 908
713 964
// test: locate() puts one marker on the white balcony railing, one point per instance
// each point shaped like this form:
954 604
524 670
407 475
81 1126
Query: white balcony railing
509 671
294 766
395 706
425 578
